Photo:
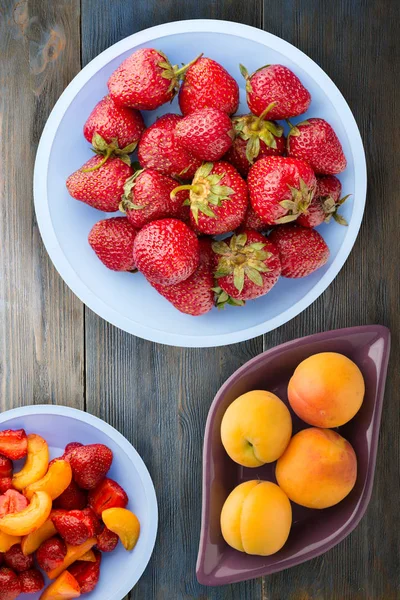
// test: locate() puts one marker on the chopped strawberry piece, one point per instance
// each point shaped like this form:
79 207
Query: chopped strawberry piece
90 464
108 494
51 554
107 540
92 521
73 498
87 574
5 484
73 526
31 581
6 467
13 444
16 559
12 502
10 587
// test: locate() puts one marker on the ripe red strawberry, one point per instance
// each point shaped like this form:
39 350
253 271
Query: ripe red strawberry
51 554
255 137
74 526
108 494
280 188
302 250
113 130
147 197
279 85
315 142
252 221
145 80
329 191
16 560
6 484
92 521
207 133
69 449
31 581
12 502
13 444
247 266
90 464
193 296
1 558
166 251
101 188
160 149
6 467
208 85
73 498
112 240
10 587
218 198
87 574
107 540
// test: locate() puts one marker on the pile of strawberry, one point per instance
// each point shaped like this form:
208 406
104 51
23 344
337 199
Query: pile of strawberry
205 173
75 522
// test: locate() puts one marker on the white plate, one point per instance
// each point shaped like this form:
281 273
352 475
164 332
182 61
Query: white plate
126 300
59 425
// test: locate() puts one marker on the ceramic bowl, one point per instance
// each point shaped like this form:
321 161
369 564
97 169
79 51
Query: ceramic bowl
128 301
313 531
59 425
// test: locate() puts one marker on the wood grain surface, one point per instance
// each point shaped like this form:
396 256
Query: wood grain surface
56 351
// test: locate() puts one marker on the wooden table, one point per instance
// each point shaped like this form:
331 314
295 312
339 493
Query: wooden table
54 350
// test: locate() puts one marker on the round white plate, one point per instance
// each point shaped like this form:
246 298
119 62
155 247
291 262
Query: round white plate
59 425
127 300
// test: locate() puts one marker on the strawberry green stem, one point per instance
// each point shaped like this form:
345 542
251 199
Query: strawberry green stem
100 164
195 188
183 69
264 113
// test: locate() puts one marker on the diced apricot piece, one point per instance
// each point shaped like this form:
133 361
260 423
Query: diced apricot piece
8 541
88 557
36 463
29 519
124 523
30 543
73 553
55 482
65 587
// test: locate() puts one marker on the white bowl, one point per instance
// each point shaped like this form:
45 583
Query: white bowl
59 425
128 301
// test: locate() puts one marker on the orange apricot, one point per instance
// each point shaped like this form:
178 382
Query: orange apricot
318 468
8 541
73 553
124 523
55 482
36 463
65 587
326 390
30 543
89 556
29 519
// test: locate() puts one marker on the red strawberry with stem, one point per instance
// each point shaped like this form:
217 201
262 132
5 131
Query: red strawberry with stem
108 494
13 443
280 188
302 250
147 197
31 581
90 464
113 130
315 142
112 240
100 188
217 197
255 137
325 203
247 266
166 251
279 85
145 80
160 149
207 133
10 587
207 84
194 296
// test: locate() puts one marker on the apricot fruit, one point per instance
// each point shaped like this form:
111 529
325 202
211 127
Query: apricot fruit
55 482
36 463
124 523
30 543
326 390
65 587
256 428
89 556
318 468
74 553
8 541
28 520
256 518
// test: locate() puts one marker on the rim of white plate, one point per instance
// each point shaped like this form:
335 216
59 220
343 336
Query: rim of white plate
48 234
133 455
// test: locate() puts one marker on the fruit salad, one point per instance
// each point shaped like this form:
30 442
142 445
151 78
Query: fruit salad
58 517
260 178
